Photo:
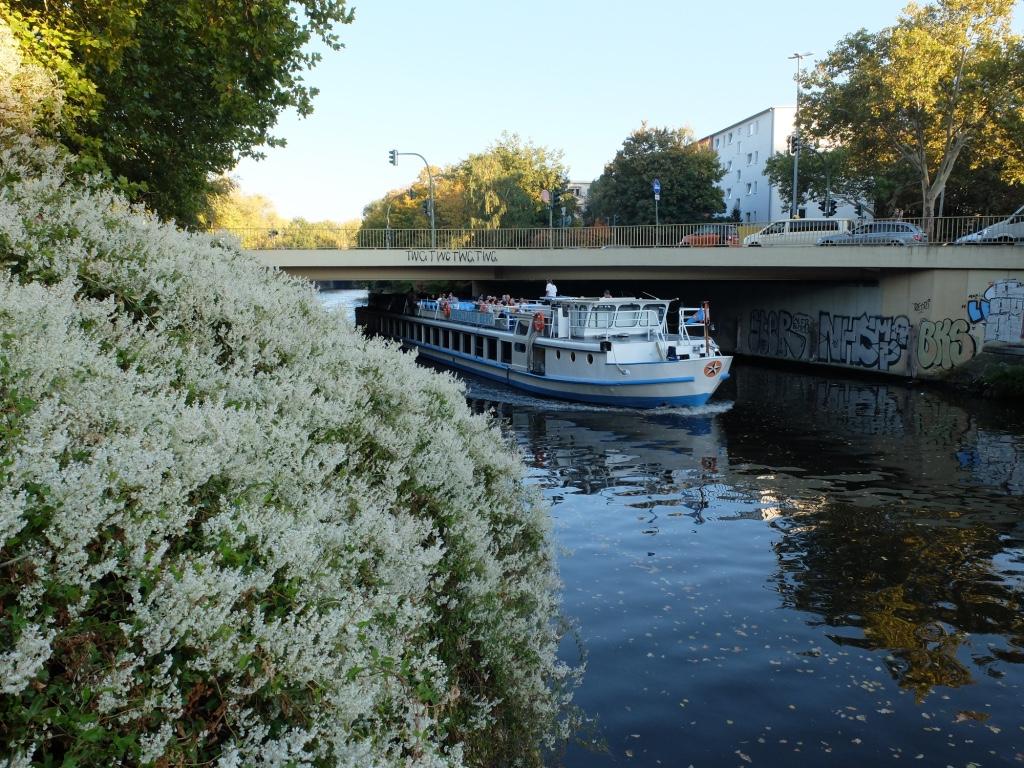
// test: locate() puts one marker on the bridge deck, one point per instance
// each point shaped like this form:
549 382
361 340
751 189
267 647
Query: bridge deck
778 263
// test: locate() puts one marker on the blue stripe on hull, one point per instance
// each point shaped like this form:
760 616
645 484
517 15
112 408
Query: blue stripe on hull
620 400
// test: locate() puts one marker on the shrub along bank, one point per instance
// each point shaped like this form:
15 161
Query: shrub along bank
234 531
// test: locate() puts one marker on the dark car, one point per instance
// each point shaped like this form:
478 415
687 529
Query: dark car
712 235
879 233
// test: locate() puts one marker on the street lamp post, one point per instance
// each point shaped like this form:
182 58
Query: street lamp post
393 159
793 205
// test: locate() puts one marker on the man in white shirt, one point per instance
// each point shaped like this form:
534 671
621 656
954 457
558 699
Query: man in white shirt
551 290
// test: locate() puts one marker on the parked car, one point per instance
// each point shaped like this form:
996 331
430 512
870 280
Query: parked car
879 233
797 231
712 235
1007 231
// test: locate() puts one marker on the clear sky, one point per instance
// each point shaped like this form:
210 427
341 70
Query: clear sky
445 78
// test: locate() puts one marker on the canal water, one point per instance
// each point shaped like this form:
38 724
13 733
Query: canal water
811 569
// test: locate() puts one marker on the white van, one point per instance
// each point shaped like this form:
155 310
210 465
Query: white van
797 231
1007 231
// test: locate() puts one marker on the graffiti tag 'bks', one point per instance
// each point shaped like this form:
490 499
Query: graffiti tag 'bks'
780 334
944 344
868 341
1002 311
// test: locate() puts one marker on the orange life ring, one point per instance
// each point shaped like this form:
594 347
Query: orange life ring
446 309
538 321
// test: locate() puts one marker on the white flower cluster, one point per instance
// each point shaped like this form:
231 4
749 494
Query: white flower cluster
234 530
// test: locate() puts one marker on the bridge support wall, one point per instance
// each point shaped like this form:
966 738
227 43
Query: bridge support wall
920 324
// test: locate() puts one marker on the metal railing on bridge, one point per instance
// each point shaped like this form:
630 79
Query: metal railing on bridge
939 231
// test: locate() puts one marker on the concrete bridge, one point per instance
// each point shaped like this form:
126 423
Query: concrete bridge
920 311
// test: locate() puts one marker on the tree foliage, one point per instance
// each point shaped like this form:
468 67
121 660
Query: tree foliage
498 188
947 76
254 221
29 97
687 172
165 95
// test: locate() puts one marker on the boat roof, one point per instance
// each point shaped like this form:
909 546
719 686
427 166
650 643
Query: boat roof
605 300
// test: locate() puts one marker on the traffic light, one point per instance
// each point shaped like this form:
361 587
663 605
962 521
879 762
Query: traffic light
393 157
859 209
831 208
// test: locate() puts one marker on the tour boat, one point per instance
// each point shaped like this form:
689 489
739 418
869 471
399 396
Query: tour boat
612 351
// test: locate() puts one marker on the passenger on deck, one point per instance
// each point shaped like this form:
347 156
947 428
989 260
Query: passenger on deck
696 318
551 290
607 294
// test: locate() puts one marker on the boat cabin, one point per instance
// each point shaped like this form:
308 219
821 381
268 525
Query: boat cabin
601 318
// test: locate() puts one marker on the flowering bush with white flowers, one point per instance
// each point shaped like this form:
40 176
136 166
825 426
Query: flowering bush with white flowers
234 531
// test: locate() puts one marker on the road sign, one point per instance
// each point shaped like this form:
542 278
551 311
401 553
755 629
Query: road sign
656 186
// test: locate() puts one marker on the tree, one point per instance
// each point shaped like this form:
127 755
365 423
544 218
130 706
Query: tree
687 171
498 188
166 95
920 92
837 175
251 218
502 186
29 97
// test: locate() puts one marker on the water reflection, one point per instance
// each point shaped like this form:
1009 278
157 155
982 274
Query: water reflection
811 544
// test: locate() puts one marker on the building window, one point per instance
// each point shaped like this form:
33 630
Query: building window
718 141
753 128
728 166
755 155
749 185
729 138
738 172
728 193
750 157
755 186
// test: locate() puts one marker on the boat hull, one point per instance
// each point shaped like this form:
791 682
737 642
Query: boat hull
678 390
605 373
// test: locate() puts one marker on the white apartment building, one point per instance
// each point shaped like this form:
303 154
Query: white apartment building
581 191
742 149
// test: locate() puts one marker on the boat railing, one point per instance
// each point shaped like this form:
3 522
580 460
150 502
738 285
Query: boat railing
468 313
694 324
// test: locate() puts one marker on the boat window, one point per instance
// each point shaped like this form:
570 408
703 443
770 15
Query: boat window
601 316
579 315
653 315
627 316
522 327
520 347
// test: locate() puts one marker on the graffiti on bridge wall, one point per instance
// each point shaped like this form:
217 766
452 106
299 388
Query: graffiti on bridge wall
781 334
944 344
868 341
879 342
1001 309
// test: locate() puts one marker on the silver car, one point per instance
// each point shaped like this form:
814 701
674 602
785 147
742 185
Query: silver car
1005 232
879 233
